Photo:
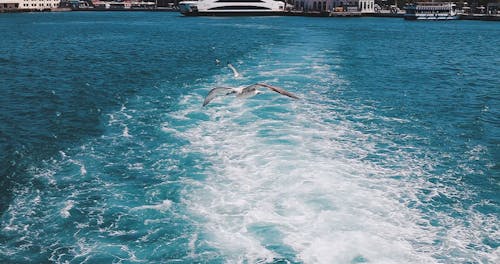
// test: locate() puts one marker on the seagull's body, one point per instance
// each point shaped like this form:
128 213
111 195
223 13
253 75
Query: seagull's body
244 92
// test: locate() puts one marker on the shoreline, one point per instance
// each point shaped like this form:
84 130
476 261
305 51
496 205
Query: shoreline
477 17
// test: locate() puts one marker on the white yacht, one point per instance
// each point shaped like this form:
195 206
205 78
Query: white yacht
431 11
231 7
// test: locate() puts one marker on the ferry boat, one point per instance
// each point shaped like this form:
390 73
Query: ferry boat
231 7
431 11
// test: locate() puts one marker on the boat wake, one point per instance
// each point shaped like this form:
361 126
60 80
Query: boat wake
309 182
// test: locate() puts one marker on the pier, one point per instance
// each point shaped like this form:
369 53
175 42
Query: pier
481 17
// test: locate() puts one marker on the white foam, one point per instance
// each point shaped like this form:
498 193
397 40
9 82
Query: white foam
167 129
192 245
164 206
125 132
305 173
65 211
83 170
296 178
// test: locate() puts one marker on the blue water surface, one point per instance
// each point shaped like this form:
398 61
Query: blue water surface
392 154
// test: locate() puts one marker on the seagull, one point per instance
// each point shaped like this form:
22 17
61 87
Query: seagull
235 72
245 92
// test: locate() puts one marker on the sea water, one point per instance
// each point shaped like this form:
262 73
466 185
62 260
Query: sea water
391 154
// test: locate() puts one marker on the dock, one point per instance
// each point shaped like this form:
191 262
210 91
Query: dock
481 17
341 14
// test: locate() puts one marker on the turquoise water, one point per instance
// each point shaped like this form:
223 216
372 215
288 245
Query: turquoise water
390 156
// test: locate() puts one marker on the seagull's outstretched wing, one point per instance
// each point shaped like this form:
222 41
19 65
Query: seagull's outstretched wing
278 90
235 72
218 91
250 88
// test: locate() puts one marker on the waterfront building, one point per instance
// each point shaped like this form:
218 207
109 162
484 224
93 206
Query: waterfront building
38 5
75 4
167 3
493 8
363 6
125 4
8 5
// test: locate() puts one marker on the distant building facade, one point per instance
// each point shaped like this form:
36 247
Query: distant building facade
167 3
38 4
363 6
10 5
125 4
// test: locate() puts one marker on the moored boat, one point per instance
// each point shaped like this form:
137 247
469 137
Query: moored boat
231 7
431 11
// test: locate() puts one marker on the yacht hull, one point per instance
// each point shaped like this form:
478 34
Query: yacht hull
232 8
249 13
431 17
